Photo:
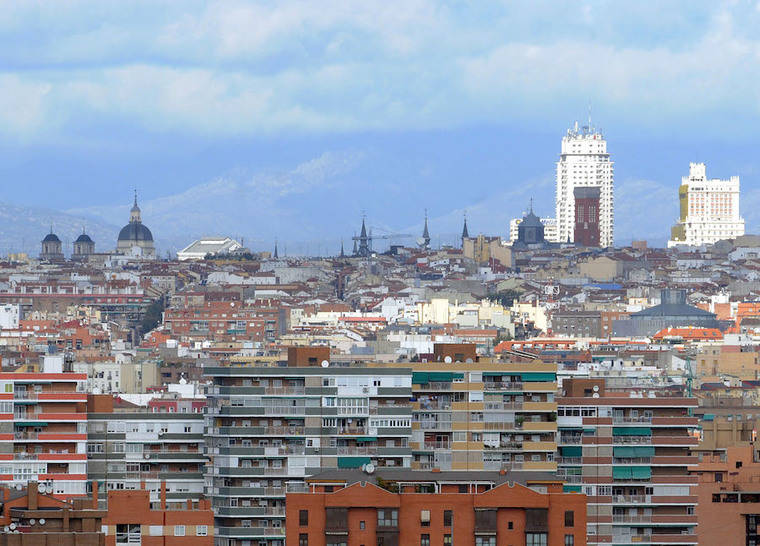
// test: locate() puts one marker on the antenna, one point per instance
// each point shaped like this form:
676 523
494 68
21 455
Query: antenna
589 115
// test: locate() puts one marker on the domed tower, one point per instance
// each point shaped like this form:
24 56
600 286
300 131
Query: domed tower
52 249
83 247
136 239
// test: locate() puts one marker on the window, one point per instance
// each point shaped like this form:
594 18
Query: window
425 518
201 530
485 541
535 539
179 530
303 518
128 533
569 518
362 525
447 541
718 476
569 540
448 516
303 539
510 525
387 517
424 540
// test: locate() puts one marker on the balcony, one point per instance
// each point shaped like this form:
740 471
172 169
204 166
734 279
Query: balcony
435 425
625 419
503 385
285 390
437 445
352 430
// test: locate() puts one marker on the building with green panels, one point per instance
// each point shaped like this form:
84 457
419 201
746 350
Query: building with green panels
628 450
487 415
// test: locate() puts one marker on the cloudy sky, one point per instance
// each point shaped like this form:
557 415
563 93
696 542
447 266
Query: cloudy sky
290 118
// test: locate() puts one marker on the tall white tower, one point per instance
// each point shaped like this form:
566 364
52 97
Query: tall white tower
709 209
584 161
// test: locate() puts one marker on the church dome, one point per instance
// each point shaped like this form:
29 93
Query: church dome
135 231
83 238
51 238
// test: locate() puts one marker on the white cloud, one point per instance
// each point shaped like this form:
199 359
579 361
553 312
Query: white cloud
230 68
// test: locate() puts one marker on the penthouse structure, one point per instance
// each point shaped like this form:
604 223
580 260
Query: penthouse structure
268 428
628 451
43 428
130 448
396 507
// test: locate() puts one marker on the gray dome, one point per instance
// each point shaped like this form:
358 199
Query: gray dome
135 231
83 238
51 238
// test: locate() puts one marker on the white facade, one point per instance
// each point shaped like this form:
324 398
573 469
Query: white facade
198 250
9 316
584 161
711 209
550 229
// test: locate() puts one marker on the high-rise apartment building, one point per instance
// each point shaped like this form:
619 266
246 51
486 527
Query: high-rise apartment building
484 415
44 431
708 209
270 427
159 445
584 162
628 450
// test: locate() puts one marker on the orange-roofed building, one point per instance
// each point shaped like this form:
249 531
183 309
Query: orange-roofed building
688 334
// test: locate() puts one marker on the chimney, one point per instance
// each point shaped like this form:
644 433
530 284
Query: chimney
31 496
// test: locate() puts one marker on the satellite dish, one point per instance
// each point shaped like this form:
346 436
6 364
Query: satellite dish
447 360
42 521
32 521
596 388
19 487
12 526
6 528
595 395
147 456
325 364
369 468
420 241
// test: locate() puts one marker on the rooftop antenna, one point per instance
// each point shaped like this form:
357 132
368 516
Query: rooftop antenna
531 205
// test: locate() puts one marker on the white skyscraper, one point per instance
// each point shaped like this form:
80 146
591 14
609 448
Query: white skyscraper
709 209
584 161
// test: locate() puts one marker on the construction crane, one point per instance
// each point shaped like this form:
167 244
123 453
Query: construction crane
363 241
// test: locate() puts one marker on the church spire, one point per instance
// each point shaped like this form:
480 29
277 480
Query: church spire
364 241
134 214
276 254
426 233
465 233
342 253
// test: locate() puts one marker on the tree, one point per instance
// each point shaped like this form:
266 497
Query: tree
506 298
153 315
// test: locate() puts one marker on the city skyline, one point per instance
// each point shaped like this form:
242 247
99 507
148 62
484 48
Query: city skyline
179 114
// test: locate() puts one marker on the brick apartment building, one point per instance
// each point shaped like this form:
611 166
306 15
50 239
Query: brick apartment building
396 507
627 449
